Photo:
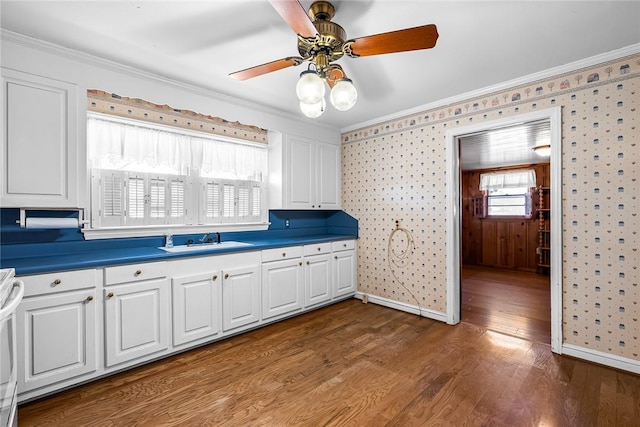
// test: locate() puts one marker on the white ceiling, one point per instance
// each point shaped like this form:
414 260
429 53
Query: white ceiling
506 146
482 43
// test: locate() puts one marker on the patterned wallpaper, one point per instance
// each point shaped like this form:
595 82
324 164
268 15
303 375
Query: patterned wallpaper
396 171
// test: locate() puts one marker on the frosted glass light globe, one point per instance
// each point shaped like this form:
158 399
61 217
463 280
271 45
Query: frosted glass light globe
310 87
343 95
313 110
543 150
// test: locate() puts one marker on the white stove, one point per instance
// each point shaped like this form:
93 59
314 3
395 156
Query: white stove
11 293
6 284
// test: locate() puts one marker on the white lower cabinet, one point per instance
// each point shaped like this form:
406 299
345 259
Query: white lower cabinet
282 287
318 276
150 310
56 329
196 307
136 319
318 279
345 280
240 297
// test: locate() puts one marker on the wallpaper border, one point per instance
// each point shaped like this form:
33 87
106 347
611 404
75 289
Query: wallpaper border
627 67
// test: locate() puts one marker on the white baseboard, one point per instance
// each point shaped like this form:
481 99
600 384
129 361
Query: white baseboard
409 308
606 359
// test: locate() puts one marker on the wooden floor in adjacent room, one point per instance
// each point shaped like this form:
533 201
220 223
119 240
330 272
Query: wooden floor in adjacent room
513 302
354 364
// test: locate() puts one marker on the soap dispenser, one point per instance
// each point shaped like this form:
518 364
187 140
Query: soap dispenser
168 241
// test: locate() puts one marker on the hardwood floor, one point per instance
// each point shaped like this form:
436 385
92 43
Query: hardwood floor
512 302
354 364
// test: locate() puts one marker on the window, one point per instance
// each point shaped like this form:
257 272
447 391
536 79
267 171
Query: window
508 193
509 202
146 175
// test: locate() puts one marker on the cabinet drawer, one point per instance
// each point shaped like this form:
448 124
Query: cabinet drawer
343 245
49 283
277 254
318 248
134 272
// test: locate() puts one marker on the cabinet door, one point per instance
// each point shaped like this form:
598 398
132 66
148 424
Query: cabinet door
301 179
136 320
345 273
282 287
318 279
39 146
328 182
56 338
196 307
240 297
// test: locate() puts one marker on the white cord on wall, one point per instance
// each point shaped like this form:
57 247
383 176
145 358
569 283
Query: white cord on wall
401 259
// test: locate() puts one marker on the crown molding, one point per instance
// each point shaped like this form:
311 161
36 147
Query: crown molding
93 60
551 72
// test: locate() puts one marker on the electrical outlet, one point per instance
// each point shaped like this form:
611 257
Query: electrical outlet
286 223
365 298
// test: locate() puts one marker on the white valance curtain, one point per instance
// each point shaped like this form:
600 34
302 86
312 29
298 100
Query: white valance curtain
122 146
515 179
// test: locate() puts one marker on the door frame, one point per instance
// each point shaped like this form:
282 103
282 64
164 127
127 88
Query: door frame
454 223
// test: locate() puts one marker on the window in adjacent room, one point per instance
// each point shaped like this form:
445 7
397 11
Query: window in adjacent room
508 193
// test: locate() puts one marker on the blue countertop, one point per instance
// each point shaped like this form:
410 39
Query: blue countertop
75 260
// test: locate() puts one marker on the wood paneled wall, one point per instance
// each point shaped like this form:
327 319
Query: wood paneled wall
499 242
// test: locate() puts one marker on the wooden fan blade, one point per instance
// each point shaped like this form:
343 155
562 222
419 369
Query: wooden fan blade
293 13
269 67
416 38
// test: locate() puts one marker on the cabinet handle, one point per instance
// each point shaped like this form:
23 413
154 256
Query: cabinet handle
319 206
308 263
137 273
345 245
215 277
319 249
300 263
336 257
284 254
110 294
57 282
89 298
226 276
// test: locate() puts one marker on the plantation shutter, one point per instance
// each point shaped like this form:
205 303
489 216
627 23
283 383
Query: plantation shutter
108 197
256 201
243 202
228 202
177 210
157 199
135 199
211 203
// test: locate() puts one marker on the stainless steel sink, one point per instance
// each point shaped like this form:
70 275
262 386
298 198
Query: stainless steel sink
205 247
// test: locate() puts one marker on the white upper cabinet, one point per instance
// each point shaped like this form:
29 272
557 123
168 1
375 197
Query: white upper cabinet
328 176
39 153
307 174
301 180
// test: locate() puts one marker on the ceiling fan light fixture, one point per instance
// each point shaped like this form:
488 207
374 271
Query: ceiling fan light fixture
310 87
343 95
313 110
542 150
322 42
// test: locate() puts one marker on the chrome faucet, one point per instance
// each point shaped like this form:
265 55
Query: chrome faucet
205 238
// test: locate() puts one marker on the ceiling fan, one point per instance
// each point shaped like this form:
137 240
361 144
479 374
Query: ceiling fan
321 42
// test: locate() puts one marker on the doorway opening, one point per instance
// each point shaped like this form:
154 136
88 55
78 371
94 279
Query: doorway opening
457 275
